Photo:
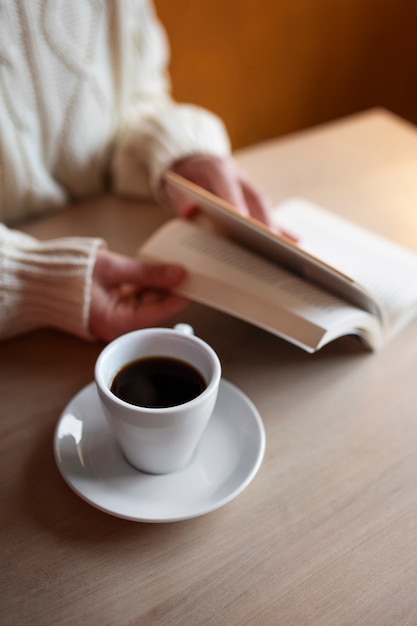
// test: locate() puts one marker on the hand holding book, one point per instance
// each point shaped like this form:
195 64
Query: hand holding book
224 179
341 280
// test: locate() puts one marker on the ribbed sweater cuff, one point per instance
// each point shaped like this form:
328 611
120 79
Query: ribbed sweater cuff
45 284
151 143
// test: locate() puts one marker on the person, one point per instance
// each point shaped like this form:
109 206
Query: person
85 106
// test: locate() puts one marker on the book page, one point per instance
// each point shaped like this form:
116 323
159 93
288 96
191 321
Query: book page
273 245
238 281
386 269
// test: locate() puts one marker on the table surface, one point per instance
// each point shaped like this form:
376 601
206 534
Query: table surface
327 531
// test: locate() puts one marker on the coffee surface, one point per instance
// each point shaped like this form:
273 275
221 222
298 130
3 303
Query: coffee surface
158 382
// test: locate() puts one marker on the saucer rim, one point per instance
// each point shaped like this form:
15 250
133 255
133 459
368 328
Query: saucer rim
259 445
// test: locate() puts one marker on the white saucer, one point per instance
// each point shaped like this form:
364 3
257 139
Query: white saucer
227 459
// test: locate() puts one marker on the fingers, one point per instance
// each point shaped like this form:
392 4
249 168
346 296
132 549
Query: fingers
257 205
117 311
178 200
221 177
127 294
152 310
114 269
159 276
123 316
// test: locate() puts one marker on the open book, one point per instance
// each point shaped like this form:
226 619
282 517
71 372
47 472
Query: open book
338 279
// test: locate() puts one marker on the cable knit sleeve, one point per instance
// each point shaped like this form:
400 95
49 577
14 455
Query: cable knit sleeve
45 283
150 143
155 131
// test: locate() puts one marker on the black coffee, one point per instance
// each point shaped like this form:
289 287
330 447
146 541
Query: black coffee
157 382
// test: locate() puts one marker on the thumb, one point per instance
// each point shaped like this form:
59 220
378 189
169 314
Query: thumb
159 275
115 269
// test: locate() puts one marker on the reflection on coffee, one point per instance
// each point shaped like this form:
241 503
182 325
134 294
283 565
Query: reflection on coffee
158 382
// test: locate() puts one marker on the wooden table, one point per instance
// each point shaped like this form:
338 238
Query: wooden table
327 531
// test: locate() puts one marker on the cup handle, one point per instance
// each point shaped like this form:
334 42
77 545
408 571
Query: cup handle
185 329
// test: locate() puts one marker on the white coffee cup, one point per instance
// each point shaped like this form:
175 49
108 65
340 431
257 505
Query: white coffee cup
158 440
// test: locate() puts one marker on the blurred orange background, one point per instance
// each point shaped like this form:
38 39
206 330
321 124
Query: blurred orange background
271 67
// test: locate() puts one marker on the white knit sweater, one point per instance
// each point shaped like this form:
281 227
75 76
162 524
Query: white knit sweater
84 99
